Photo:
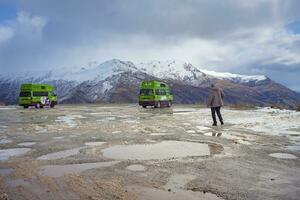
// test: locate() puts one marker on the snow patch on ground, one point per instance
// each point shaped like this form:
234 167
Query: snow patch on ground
265 120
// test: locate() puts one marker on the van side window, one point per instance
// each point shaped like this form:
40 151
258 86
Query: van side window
162 85
38 94
146 92
160 92
25 94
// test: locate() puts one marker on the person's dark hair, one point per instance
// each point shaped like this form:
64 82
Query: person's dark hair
212 85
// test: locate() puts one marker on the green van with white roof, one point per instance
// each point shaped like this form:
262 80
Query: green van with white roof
155 93
38 95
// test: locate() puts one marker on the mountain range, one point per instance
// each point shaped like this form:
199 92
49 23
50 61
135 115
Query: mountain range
116 81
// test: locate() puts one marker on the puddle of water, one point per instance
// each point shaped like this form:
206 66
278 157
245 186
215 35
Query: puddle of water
144 193
94 143
186 124
107 119
101 113
69 119
138 168
60 170
5 141
18 182
6 171
174 190
202 128
116 132
5 154
229 137
157 134
7 108
178 181
183 111
130 121
58 137
27 144
162 150
60 154
3 127
294 147
191 131
283 155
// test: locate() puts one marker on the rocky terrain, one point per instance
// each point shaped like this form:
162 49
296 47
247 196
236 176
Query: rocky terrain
112 151
118 81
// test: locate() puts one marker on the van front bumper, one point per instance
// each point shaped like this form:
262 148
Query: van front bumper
154 103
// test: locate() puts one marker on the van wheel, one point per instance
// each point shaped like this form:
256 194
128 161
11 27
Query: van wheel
169 103
25 106
144 106
158 105
52 104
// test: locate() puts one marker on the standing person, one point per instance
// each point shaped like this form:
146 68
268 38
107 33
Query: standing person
215 102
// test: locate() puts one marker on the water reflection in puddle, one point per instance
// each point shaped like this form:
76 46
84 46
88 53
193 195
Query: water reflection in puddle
60 170
283 155
6 171
136 168
5 154
203 128
237 139
174 190
69 120
5 141
60 154
162 150
26 144
94 143
294 147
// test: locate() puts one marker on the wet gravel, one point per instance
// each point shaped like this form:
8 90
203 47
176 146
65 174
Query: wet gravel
126 152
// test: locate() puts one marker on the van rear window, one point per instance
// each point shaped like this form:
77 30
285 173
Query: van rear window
38 94
25 94
146 92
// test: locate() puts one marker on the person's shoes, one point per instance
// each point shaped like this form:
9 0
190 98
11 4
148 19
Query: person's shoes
214 124
222 123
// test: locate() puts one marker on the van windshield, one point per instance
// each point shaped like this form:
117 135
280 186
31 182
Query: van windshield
146 92
25 94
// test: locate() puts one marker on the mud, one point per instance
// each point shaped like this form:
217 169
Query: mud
126 152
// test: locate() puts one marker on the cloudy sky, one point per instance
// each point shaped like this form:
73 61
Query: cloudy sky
239 36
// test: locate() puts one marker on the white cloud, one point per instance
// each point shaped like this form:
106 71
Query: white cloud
29 26
6 33
239 36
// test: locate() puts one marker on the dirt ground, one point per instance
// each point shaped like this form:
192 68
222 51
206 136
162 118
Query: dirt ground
125 152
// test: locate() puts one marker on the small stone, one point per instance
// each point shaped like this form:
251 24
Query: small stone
272 179
169 190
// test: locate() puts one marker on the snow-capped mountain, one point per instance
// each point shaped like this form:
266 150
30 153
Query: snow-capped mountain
118 81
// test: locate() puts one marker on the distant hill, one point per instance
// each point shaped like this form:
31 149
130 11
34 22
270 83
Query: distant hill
118 81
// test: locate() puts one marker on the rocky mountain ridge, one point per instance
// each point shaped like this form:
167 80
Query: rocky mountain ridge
118 81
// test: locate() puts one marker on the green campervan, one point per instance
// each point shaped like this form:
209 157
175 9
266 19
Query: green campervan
38 95
155 93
